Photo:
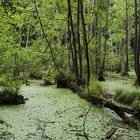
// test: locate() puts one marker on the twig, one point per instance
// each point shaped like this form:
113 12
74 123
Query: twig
69 109
84 123
81 115
42 129
45 121
110 133
5 123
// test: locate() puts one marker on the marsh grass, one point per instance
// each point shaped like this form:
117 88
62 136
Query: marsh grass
95 88
128 97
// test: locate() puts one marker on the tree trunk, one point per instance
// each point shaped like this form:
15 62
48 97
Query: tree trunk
137 44
85 41
27 36
73 39
72 63
96 38
105 40
79 43
100 72
125 71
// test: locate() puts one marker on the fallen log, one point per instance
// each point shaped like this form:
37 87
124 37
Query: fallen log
119 110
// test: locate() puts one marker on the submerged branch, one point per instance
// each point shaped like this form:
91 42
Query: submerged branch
84 124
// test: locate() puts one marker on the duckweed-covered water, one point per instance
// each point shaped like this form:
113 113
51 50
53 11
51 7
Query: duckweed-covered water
58 114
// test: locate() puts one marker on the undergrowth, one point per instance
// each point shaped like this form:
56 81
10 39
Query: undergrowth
126 97
94 88
9 85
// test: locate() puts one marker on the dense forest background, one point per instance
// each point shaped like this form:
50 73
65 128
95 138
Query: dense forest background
80 38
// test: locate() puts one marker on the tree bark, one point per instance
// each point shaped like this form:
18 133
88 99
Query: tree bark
79 43
27 36
105 39
125 71
85 42
137 44
73 38
71 49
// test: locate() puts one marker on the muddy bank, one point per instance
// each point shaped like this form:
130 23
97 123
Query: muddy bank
11 99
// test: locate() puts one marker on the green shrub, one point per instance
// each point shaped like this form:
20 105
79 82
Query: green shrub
118 93
9 84
36 75
47 82
127 97
136 105
8 92
49 76
95 88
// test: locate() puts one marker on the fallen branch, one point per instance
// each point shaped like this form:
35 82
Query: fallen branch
5 123
110 133
84 124
120 111
42 121
81 115
70 109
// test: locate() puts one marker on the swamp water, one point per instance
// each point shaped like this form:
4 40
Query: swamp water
58 114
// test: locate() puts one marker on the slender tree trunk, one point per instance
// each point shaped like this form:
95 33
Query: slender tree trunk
96 34
85 41
20 37
127 39
105 39
100 73
137 44
138 55
96 38
73 38
71 48
125 72
27 36
121 56
136 37
79 43
16 69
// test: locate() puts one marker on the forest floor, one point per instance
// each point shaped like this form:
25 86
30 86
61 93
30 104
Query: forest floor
59 114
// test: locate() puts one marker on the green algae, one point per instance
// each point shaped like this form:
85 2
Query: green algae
53 113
